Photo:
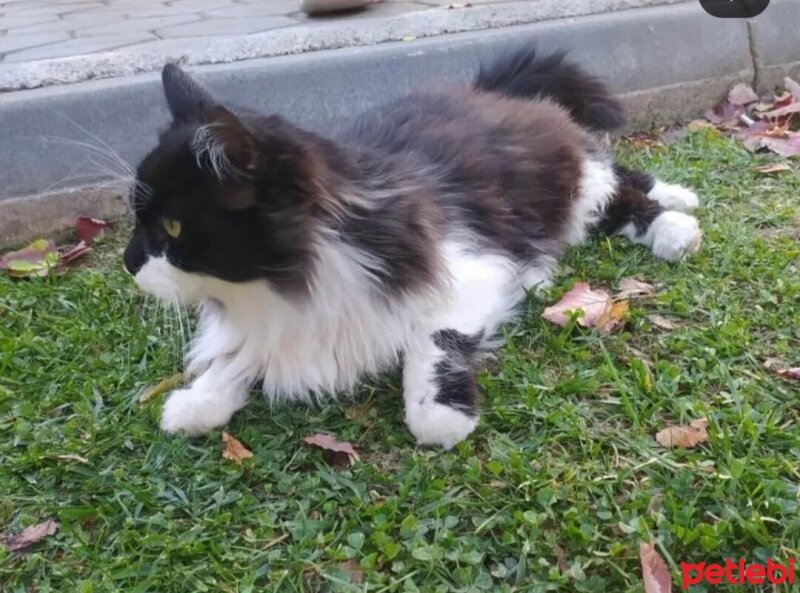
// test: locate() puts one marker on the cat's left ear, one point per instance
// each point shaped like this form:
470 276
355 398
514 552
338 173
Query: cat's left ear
188 101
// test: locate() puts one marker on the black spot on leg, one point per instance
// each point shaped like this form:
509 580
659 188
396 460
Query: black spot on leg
455 374
457 387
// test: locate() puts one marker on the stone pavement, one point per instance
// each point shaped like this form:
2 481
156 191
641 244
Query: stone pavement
46 42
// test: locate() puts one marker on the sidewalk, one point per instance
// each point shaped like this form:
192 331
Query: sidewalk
45 42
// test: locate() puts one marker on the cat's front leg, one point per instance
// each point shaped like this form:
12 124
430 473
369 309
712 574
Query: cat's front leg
439 388
208 403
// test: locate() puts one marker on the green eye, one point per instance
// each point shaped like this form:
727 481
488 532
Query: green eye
173 227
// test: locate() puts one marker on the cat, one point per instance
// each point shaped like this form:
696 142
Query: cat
407 238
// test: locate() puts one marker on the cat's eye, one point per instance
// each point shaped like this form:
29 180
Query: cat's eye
173 227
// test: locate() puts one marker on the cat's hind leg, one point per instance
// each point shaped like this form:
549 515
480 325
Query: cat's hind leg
670 196
670 234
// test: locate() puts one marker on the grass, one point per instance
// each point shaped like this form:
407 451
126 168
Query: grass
554 492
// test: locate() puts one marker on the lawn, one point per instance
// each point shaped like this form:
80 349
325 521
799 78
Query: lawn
554 492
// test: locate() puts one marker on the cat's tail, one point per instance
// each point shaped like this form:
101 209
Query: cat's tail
523 73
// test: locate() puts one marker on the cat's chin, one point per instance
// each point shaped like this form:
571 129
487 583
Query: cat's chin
166 282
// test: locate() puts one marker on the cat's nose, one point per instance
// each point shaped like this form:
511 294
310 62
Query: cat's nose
134 257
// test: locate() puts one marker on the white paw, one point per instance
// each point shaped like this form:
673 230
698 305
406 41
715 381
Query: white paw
192 412
673 235
672 196
437 424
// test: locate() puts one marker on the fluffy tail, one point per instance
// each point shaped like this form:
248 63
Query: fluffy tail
524 74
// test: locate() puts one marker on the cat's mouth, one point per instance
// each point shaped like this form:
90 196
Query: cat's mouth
157 276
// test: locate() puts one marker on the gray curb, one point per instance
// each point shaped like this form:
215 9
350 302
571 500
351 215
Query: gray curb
667 61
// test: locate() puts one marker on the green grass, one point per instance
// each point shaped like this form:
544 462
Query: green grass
554 492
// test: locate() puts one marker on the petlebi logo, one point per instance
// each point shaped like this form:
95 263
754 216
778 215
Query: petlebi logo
738 573
734 9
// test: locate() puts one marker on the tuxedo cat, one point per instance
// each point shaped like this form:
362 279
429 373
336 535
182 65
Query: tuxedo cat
407 238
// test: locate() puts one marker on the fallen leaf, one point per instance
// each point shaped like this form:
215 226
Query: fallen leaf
352 570
630 287
592 303
70 255
336 453
234 450
774 168
793 373
30 535
772 364
88 228
72 457
683 437
725 115
37 259
612 319
700 124
655 572
742 94
161 387
662 322
782 111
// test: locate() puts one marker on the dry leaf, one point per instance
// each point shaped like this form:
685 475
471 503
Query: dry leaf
662 322
772 364
88 228
742 94
593 303
684 437
70 255
30 535
700 124
234 450
775 168
72 457
37 259
655 572
782 111
161 387
630 287
336 453
612 319
352 570
793 373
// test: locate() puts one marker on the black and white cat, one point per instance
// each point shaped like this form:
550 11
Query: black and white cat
408 238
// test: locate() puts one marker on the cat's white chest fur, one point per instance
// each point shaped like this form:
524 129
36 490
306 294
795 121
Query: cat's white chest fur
315 346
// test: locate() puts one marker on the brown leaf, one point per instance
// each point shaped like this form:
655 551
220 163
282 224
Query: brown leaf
782 111
37 259
630 287
234 450
88 228
742 94
161 387
336 453
700 124
662 322
593 305
70 255
72 457
30 535
793 373
683 437
352 570
655 572
725 115
612 319
774 168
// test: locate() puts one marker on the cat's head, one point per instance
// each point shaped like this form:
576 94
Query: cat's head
224 198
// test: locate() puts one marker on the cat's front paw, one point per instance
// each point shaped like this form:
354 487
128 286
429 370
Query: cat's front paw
438 424
675 235
193 412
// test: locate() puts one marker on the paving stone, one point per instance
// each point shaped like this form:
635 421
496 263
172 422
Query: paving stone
10 43
77 47
13 22
225 27
121 27
265 8
71 23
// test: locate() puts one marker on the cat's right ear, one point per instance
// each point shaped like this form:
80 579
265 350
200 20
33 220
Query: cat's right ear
188 101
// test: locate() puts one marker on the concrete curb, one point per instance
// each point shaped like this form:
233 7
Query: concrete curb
638 51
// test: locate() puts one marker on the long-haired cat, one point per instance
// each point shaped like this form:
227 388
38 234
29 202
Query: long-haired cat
408 238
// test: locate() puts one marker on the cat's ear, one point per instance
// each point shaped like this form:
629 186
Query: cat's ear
227 147
188 101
